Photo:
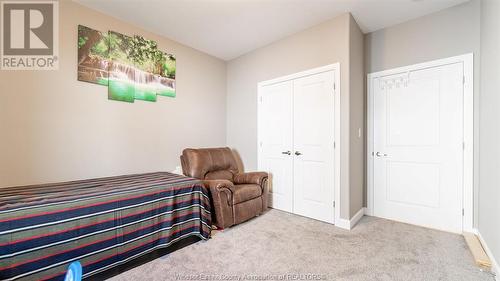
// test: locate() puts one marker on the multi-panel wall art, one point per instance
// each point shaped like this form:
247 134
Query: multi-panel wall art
133 68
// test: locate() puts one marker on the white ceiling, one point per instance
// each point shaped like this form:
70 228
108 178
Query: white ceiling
229 28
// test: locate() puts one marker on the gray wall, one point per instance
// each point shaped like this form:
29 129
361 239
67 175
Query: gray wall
55 128
451 32
489 176
320 45
356 118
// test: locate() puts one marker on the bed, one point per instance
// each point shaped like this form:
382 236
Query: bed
102 223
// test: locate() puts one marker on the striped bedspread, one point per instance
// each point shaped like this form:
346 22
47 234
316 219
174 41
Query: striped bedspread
101 223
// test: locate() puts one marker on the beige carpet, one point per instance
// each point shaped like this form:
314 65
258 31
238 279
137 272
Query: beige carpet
278 243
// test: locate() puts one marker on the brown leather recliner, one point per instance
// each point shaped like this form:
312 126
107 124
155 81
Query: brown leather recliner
236 197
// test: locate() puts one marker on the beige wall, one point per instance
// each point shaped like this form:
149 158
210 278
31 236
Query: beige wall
320 45
356 118
55 128
451 32
489 176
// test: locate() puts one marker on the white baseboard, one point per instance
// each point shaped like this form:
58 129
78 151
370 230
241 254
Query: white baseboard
349 224
368 212
343 223
355 219
494 265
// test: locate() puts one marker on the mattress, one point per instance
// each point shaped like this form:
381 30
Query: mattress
102 223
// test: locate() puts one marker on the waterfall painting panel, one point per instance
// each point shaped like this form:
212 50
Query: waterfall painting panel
155 70
122 72
145 54
92 56
167 76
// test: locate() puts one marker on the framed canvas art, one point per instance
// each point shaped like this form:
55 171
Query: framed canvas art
122 71
92 56
133 68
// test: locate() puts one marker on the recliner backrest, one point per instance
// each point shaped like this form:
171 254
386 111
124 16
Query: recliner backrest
209 163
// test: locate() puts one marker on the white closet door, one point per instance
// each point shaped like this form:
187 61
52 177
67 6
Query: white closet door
314 133
418 135
275 138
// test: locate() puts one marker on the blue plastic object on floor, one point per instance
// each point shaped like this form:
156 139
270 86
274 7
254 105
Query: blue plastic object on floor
74 272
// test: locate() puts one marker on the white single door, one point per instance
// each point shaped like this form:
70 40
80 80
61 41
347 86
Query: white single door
314 136
418 147
275 141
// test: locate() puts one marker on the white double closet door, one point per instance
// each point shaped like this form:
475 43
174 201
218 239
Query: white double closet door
296 144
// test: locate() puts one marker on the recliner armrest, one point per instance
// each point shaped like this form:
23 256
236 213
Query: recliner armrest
221 193
218 186
250 178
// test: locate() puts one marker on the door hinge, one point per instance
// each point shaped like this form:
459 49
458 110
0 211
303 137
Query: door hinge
463 212
463 80
463 145
334 86
334 145
334 204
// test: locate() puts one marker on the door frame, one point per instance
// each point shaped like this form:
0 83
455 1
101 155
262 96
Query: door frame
468 102
337 100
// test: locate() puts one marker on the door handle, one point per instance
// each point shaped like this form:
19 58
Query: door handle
288 152
298 153
378 154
